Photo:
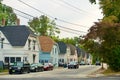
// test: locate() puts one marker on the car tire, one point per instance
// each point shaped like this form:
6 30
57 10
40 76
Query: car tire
21 71
36 70
28 71
10 72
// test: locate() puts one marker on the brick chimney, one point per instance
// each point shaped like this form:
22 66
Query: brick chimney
3 21
18 21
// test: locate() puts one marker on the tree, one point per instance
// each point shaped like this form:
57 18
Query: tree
7 13
110 8
109 40
43 26
107 31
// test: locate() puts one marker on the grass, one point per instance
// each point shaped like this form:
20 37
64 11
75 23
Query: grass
110 72
5 70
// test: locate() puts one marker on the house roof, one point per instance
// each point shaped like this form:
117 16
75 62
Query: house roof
72 48
16 35
46 43
62 47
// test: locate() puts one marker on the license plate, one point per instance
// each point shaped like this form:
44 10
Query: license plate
13 70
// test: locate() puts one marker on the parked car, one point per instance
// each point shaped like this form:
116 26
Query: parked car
73 64
82 62
48 66
19 67
61 64
36 67
98 63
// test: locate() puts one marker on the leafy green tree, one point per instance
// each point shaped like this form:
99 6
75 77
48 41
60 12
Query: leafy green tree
108 33
44 26
8 14
110 8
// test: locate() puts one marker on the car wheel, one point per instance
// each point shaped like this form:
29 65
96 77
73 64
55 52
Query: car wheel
28 71
21 71
35 69
10 72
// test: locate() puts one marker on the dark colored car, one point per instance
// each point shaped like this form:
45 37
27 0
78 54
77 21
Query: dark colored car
19 67
61 64
48 66
36 67
73 65
82 62
98 63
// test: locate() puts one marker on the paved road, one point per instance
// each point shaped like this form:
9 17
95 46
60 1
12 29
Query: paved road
60 74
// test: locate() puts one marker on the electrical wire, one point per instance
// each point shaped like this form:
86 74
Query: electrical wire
49 15
70 29
66 6
56 24
75 7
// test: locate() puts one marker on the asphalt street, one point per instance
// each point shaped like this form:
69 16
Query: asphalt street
61 74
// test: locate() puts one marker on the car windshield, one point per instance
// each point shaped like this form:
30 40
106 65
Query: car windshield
72 62
46 64
40 64
20 64
33 64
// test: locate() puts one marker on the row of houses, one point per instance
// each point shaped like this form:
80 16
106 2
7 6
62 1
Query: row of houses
19 43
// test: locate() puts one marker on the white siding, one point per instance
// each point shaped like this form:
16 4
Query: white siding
10 51
54 55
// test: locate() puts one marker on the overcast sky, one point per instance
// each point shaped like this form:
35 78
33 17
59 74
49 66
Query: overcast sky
77 12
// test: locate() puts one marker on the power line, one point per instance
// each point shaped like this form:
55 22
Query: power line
67 6
71 29
61 27
23 16
35 8
23 12
56 25
70 23
74 6
49 15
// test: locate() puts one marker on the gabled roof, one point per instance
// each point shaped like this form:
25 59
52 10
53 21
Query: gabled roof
46 43
72 48
16 35
62 47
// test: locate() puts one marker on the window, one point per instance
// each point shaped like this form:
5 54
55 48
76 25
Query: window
25 58
34 44
63 60
70 59
6 59
46 61
41 61
60 60
29 41
18 59
1 40
12 59
55 50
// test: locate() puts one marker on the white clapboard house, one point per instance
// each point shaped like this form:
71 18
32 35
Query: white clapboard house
18 43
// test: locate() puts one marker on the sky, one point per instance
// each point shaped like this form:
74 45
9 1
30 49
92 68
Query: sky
73 17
